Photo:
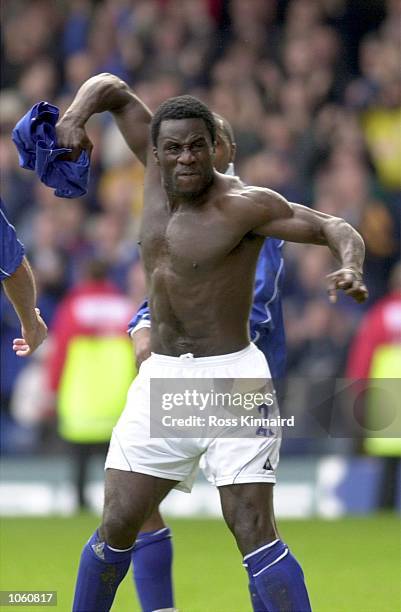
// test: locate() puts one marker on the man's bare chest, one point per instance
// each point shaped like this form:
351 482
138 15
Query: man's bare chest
187 240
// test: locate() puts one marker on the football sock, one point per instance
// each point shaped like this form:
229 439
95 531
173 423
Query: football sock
257 603
278 578
152 559
101 570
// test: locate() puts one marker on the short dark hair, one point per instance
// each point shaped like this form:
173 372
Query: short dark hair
182 107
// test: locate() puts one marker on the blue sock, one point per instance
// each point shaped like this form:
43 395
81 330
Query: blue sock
152 559
257 603
278 578
100 572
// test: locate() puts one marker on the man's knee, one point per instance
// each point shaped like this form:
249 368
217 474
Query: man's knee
118 530
130 498
249 515
252 526
123 512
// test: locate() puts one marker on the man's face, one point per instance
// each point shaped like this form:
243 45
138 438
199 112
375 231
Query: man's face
186 156
225 150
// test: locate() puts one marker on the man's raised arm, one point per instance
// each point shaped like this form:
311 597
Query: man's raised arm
105 92
297 223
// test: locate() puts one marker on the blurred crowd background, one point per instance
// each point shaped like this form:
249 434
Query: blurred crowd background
312 90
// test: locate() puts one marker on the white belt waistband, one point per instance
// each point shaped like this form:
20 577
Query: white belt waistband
187 359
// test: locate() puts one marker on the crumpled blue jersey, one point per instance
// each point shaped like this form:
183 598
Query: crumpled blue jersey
35 139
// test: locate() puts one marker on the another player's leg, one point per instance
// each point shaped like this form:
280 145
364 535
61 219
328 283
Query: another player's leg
152 558
130 499
274 573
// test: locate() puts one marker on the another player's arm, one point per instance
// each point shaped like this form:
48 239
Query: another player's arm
296 223
139 331
141 341
20 289
105 92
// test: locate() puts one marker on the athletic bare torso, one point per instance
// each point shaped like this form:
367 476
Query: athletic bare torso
200 264
200 254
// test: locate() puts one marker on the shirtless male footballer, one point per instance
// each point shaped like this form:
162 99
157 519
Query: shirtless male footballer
201 235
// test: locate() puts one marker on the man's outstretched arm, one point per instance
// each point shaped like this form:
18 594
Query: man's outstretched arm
21 291
296 223
105 92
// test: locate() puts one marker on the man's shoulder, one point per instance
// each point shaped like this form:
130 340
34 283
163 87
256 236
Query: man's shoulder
263 196
253 201
250 194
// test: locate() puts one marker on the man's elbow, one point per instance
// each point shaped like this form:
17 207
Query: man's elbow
338 225
346 228
108 77
110 84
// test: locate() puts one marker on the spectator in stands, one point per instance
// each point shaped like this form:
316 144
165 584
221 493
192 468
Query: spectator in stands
376 353
90 366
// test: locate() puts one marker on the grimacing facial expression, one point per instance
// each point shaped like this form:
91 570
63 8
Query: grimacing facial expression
185 154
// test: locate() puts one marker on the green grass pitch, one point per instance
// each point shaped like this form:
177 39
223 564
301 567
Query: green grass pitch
351 565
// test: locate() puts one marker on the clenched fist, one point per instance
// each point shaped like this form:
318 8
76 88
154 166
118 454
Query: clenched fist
348 280
72 135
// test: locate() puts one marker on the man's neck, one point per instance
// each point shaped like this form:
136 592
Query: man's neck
176 200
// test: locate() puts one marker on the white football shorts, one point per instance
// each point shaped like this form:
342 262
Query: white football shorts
224 461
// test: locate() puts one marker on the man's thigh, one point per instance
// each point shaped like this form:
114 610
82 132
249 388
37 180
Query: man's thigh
249 513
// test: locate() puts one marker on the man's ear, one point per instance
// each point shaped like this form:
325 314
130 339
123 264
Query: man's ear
156 156
233 151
